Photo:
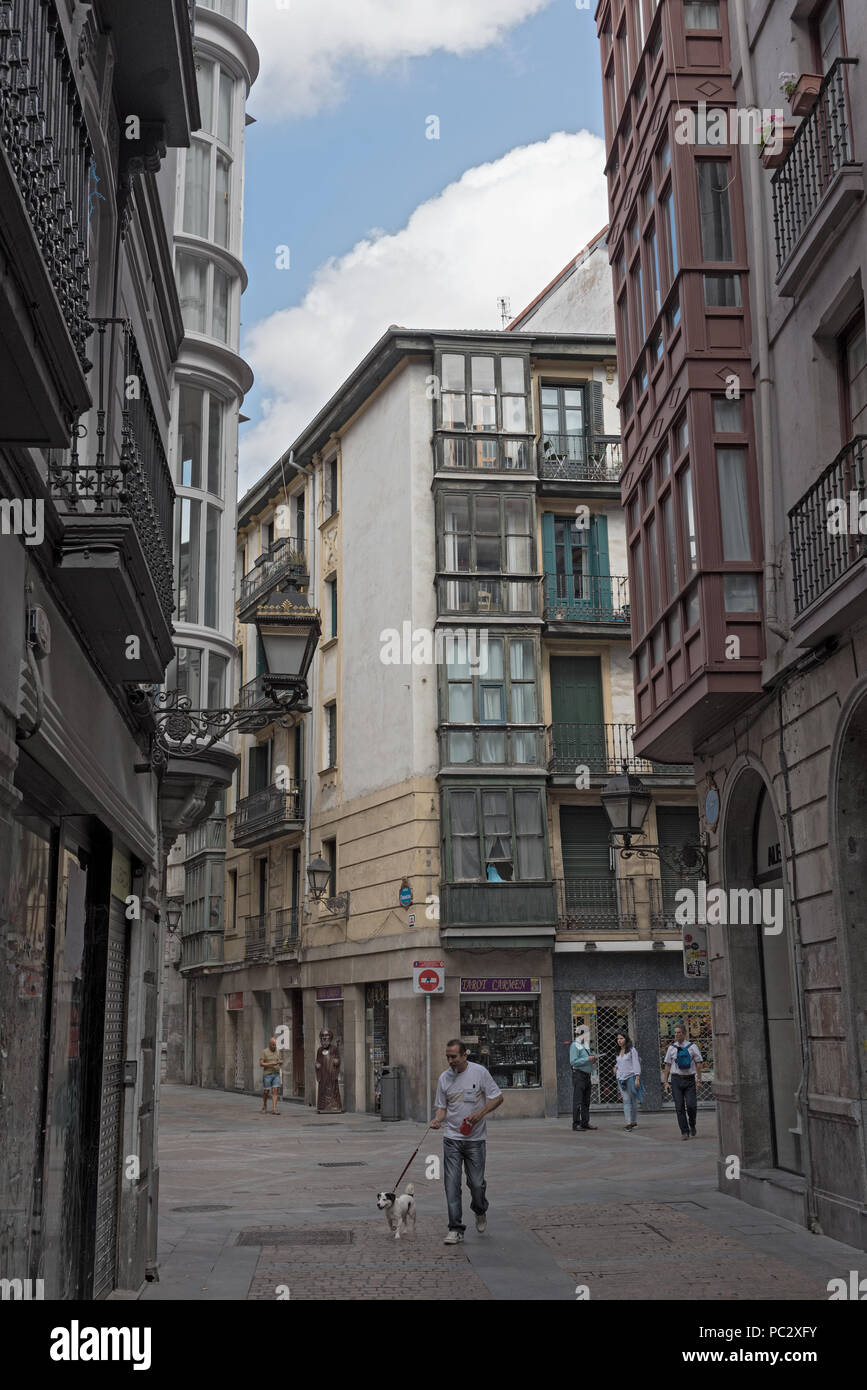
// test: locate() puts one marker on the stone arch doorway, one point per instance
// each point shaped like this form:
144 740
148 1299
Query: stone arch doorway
763 1006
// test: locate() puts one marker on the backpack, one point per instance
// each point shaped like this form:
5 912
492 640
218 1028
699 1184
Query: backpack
684 1057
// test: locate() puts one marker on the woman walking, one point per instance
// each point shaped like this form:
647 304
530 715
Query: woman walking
627 1069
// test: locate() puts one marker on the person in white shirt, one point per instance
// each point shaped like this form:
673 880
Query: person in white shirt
683 1065
627 1069
466 1093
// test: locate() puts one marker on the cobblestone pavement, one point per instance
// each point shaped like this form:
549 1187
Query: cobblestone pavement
268 1207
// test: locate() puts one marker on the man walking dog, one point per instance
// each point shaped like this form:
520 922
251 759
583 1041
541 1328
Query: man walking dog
466 1093
683 1064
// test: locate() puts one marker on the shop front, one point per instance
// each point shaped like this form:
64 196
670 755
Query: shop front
499 1022
375 1039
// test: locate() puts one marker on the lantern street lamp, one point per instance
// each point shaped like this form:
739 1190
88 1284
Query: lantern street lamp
174 912
289 631
319 878
627 801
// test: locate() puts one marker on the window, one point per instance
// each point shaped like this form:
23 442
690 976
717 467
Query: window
188 558
642 663
687 519
653 567
329 854
667 208
668 545
483 532
205 294
828 35
653 263
496 388
728 416
714 210
853 361
638 292
672 315
656 348
664 464
701 14
212 560
330 486
681 434
741 593
217 669
188 674
734 510
331 735
258 768
497 836
199 446
207 174
657 647
664 155
331 604
638 588
638 17
691 608
722 291
624 328
492 685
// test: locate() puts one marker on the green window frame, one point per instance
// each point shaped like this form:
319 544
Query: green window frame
496 834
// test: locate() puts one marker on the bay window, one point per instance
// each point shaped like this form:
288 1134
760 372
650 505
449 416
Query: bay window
734 510
207 177
496 835
487 533
483 393
714 176
205 294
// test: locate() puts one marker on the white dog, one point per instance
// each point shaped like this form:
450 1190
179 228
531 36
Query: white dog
399 1211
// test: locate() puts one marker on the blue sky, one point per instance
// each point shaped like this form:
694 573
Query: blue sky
361 165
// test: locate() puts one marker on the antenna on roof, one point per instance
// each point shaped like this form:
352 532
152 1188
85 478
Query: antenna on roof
505 310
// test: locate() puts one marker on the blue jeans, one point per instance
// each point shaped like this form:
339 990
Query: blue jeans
630 1100
471 1154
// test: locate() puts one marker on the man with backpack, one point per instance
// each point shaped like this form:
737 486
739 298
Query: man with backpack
683 1065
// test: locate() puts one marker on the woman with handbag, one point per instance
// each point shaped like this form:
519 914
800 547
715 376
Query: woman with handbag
627 1069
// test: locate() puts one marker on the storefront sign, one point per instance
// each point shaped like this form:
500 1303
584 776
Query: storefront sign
235 1001
695 952
501 984
329 992
684 1006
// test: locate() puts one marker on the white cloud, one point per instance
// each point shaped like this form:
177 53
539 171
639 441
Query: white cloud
504 228
307 46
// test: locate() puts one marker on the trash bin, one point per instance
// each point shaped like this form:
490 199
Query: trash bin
393 1106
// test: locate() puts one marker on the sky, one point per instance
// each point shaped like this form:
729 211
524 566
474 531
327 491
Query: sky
411 161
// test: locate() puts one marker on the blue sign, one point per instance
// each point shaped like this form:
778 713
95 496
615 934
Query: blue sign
405 895
711 806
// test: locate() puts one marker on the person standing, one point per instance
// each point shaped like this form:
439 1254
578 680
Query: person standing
466 1093
271 1065
683 1065
627 1069
581 1061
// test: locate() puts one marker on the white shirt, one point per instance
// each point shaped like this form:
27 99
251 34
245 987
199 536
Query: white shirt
628 1065
460 1093
671 1058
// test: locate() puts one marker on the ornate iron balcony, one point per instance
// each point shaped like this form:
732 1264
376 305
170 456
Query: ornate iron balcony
117 465
202 948
603 749
43 131
268 813
606 903
286 559
588 598
286 928
578 458
821 147
820 556
257 944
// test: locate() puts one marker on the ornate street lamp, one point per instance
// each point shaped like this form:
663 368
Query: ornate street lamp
289 631
319 878
174 912
627 801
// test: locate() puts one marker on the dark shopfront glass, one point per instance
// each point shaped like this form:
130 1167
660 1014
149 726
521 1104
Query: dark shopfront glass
376 1030
503 1035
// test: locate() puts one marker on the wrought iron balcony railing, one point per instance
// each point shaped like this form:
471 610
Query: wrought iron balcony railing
256 936
286 559
603 749
588 598
820 553
481 452
483 593
252 694
578 458
287 928
491 745
822 146
117 465
606 903
268 813
43 131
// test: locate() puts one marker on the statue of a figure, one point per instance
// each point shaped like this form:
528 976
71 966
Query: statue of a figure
328 1100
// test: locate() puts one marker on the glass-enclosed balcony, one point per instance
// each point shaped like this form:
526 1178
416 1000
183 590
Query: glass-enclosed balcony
482 593
485 745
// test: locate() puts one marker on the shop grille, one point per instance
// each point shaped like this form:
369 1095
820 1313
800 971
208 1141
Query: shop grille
603 1016
694 1013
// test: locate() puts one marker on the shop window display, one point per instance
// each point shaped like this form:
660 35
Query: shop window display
504 1037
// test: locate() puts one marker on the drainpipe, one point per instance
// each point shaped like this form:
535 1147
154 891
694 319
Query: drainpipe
760 327
311 718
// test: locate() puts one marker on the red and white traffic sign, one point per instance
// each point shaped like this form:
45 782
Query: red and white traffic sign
428 977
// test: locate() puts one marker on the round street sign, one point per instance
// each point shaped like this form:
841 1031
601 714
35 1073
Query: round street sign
428 980
428 977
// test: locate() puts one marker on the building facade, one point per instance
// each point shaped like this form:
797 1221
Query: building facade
739 275
210 382
91 330
474 657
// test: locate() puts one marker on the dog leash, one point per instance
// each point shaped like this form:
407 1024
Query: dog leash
418 1146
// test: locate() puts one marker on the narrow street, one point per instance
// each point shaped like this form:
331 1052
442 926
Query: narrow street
257 1206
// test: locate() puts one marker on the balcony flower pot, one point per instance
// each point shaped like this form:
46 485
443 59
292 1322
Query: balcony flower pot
803 97
773 157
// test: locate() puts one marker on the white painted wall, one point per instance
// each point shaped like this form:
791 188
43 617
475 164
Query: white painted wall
583 303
